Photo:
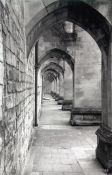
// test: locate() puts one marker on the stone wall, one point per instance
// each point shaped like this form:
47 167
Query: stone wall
49 41
1 101
16 89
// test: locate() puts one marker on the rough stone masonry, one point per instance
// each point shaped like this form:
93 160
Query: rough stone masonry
17 84
16 89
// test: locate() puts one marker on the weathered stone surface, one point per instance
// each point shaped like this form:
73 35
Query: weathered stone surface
67 105
85 116
17 77
104 147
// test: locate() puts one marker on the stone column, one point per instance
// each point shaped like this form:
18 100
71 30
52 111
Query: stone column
83 115
42 94
54 88
39 95
61 89
57 89
104 133
68 88
74 87
61 85
55 85
36 82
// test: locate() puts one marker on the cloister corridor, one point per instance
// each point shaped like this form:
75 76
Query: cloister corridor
55 87
60 149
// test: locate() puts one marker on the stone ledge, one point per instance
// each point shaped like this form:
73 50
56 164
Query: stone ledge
60 100
85 116
67 105
87 110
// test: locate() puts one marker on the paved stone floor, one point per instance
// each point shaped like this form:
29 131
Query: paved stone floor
60 149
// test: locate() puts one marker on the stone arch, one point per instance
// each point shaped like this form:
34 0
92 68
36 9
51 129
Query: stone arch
54 67
53 71
57 74
77 12
50 75
100 29
58 53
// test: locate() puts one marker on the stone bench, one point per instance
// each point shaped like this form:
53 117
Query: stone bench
67 105
85 116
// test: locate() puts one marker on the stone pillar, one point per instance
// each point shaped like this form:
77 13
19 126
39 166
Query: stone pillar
61 85
74 87
42 94
54 88
39 95
82 115
104 133
36 83
61 89
68 88
57 89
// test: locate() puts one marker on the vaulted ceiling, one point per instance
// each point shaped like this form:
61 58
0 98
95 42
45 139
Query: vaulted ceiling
32 7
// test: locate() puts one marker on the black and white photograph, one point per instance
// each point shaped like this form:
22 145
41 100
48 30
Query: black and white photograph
55 87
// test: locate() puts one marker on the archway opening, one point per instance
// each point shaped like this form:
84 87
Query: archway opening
85 16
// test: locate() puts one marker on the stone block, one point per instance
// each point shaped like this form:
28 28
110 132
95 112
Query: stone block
60 102
67 105
85 116
8 56
1 73
8 40
13 63
10 73
104 147
9 101
11 87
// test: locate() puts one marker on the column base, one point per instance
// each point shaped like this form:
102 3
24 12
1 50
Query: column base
104 147
85 116
67 105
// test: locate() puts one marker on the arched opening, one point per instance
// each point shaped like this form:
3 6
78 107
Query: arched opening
58 71
50 61
57 53
85 16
